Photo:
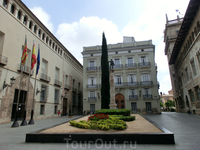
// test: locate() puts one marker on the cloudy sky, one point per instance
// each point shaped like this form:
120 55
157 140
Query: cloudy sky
79 23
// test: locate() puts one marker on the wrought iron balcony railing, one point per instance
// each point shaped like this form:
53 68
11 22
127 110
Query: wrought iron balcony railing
3 60
149 96
144 64
25 69
45 77
94 68
92 86
146 83
131 66
92 98
57 82
118 66
133 97
127 84
67 87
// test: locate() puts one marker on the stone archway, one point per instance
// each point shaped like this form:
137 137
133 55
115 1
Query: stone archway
120 101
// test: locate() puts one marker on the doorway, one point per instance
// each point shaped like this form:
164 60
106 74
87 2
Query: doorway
134 107
148 107
120 101
92 108
21 106
64 113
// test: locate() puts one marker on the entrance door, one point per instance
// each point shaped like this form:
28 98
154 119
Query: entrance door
148 107
64 106
120 101
22 102
134 107
92 108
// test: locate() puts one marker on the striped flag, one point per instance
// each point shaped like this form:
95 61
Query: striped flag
38 60
33 61
24 54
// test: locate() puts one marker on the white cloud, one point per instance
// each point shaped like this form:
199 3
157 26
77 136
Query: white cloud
43 17
87 32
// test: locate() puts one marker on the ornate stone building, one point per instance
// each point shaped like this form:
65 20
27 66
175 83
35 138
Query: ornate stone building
182 47
135 76
59 82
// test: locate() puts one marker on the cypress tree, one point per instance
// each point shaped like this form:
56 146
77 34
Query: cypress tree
105 76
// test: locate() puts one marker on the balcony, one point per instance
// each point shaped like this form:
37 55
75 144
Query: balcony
133 97
91 69
92 86
3 60
57 82
25 69
44 77
92 99
144 65
118 66
149 96
131 66
74 90
146 83
126 84
67 87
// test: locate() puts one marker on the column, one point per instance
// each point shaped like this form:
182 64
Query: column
112 105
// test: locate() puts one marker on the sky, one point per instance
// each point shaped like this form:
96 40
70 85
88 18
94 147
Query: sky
80 23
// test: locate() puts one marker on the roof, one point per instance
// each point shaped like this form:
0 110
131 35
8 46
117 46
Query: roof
187 21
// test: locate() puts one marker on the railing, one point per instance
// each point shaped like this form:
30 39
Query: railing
67 87
74 90
149 96
118 66
132 65
94 68
92 86
45 77
146 83
127 84
25 69
133 97
144 64
92 98
57 82
3 60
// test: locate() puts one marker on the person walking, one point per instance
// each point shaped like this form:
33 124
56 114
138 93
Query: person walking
189 112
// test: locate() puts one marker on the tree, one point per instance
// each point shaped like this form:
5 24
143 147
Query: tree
161 104
169 103
105 76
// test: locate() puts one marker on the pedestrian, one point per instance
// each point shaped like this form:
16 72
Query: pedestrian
189 112
58 112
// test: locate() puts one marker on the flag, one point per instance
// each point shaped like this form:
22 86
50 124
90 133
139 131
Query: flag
24 54
38 60
33 60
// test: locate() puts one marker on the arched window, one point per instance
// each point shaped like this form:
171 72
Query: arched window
12 9
47 39
30 25
43 36
35 28
5 3
39 33
50 43
25 20
19 15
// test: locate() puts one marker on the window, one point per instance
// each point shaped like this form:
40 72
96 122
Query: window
57 73
5 3
191 95
43 93
56 96
117 62
12 9
25 20
118 80
92 81
43 36
30 25
132 91
44 67
66 79
47 39
143 59
19 15
39 33
35 28
130 60
91 63
122 106
122 101
131 78
145 77
92 94
146 91
193 68
41 109
197 90
187 74
50 43
55 109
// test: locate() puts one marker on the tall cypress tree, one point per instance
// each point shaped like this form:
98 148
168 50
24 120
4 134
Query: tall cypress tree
105 76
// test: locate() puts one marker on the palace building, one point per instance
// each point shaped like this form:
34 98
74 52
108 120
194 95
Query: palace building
182 47
135 76
59 81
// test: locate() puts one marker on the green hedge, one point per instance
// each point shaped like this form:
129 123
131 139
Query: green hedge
127 118
124 112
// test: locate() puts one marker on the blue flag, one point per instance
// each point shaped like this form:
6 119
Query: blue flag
38 60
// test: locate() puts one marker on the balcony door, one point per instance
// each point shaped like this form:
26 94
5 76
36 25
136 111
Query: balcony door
92 108
120 101
134 107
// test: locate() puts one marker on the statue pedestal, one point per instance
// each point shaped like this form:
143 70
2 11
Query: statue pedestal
112 105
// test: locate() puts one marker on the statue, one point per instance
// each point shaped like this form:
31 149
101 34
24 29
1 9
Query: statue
111 64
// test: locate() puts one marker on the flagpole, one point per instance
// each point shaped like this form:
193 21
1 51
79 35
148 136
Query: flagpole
32 111
15 123
24 123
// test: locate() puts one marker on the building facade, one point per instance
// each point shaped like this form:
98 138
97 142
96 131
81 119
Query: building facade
135 76
182 47
59 81
166 97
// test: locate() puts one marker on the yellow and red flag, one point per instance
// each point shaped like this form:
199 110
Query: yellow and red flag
34 59
24 54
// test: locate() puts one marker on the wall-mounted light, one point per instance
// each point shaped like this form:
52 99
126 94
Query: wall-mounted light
12 80
38 91
64 95
140 93
98 95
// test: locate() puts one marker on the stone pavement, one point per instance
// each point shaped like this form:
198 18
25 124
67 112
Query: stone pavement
185 127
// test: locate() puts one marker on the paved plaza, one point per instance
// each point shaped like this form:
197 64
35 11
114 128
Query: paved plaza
184 126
